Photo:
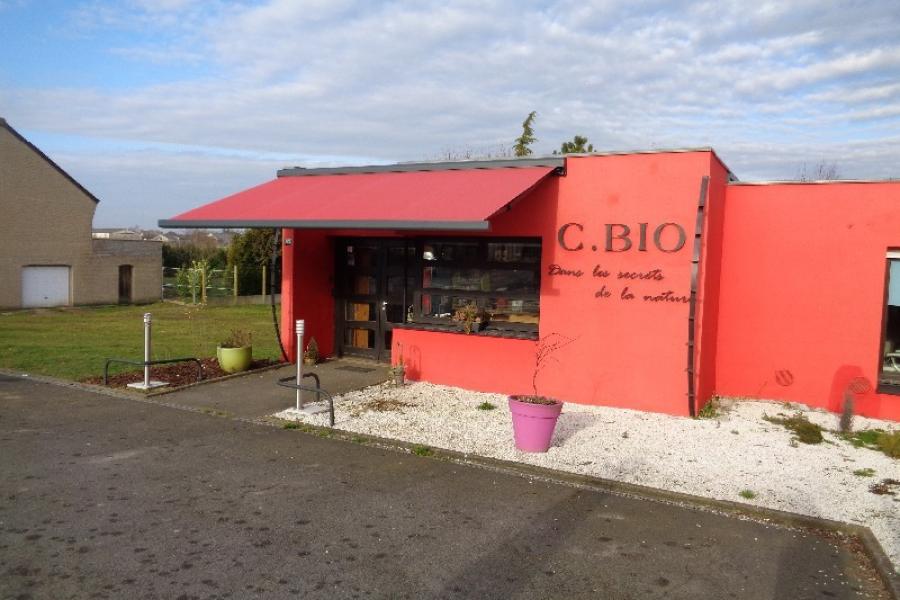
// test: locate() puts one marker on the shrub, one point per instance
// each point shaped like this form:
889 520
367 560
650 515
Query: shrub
866 437
238 338
885 487
804 430
876 439
486 406
470 317
710 410
420 450
889 443
748 494
312 351
807 433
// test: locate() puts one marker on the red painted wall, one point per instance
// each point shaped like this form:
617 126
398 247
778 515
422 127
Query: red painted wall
627 352
789 305
307 291
467 361
624 352
288 281
802 291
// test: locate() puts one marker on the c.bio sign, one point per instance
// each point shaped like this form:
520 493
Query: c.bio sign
619 238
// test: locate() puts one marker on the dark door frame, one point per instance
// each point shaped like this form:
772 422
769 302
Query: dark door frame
126 284
379 300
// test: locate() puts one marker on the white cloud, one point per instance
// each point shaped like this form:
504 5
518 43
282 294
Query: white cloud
856 95
770 85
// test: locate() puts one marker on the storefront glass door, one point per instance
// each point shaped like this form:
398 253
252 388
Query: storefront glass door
373 283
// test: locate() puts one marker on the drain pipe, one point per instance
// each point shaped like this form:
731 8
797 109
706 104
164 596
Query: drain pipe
276 247
299 330
692 308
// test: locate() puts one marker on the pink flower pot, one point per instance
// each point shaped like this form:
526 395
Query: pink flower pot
533 424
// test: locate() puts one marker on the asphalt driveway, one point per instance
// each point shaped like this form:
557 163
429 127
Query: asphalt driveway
103 497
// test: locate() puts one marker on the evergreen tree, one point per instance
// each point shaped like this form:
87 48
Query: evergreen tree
251 250
524 141
578 145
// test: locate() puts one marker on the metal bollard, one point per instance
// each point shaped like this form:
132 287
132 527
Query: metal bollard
147 383
299 330
148 318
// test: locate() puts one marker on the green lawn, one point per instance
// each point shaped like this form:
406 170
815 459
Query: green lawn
73 343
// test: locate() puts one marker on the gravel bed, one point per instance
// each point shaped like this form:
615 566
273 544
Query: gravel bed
714 458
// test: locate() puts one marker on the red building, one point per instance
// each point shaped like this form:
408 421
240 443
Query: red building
672 280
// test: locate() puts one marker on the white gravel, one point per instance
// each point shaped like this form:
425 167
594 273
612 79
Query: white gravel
715 458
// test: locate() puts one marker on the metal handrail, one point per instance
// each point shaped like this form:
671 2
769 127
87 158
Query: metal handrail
146 363
289 382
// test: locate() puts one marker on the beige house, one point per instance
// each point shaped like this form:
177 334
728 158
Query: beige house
47 254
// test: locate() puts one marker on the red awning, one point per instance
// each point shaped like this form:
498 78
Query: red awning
458 199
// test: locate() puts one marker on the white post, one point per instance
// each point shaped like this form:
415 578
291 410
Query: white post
299 329
147 353
147 383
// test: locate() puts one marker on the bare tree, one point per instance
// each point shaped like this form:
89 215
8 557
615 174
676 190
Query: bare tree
822 171
473 153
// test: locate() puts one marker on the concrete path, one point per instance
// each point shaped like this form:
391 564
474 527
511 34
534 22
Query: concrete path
256 395
112 498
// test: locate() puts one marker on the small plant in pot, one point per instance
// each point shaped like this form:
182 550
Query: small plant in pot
235 353
470 318
311 354
534 416
398 371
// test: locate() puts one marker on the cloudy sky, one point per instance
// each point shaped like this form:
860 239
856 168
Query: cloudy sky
157 106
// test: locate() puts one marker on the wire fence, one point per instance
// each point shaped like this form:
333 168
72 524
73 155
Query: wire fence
198 283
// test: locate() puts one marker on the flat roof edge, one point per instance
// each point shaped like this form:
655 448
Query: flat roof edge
556 161
271 224
709 149
815 182
553 162
680 150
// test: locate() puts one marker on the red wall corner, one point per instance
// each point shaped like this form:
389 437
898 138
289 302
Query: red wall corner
288 339
708 288
307 284
802 297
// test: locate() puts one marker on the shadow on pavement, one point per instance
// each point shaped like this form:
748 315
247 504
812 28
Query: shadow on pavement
256 395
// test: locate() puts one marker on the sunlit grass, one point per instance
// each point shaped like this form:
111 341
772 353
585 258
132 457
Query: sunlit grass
73 343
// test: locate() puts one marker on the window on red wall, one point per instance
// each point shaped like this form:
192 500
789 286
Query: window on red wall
501 277
890 360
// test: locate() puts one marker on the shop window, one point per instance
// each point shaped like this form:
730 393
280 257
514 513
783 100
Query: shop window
501 277
890 359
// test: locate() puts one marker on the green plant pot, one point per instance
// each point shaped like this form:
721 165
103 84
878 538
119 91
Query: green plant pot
233 360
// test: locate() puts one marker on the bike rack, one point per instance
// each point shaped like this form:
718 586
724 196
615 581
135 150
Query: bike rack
147 384
289 382
294 381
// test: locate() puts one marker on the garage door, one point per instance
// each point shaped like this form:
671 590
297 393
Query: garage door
45 286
